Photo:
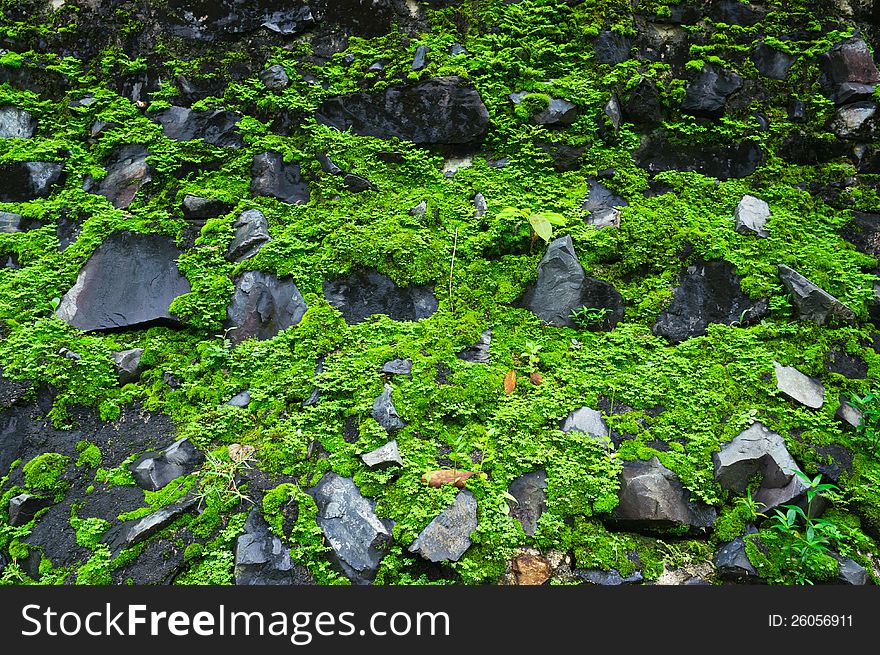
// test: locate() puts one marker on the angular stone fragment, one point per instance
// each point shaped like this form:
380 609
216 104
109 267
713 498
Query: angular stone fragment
134 531
23 507
385 413
271 176
850 572
530 492
610 578
771 62
383 456
529 569
707 94
261 558
251 234
262 306
127 172
241 399
751 216
16 123
848 415
448 536
558 113
368 292
799 387
398 367
602 205
198 208
217 127
127 364
588 421
848 71
357 536
152 472
479 352
754 449
733 565
275 78
811 302
23 181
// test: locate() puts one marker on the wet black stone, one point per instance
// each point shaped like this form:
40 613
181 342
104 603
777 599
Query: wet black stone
721 161
24 181
367 292
263 305
273 177
217 127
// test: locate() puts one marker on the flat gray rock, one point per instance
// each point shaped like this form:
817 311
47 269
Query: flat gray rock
10 223
365 293
273 177
479 352
398 367
586 420
751 216
241 399
217 127
755 449
530 491
134 531
448 536
16 123
358 537
850 572
152 472
848 415
23 507
385 413
811 302
261 558
251 234
799 387
127 172
733 565
263 305
127 364
275 78
383 456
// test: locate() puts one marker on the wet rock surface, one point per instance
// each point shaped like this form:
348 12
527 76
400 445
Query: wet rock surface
447 537
216 127
261 558
152 472
530 492
811 302
263 305
275 178
367 292
127 172
251 234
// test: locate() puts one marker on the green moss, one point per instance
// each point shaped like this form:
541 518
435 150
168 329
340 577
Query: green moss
43 474
89 455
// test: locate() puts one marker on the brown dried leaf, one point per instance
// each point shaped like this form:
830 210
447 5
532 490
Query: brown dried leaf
535 377
239 453
510 382
446 476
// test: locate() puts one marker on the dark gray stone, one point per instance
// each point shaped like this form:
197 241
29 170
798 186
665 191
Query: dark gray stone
197 208
799 387
564 156
559 113
751 216
741 159
811 302
327 165
11 223
448 536
643 105
383 456
848 415
261 558
251 234
367 292
130 280
530 492
217 127
357 184
707 94
23 507
834 461
602 205
562 287
437 110
611 47
398 367
707 292
271 176
588 421
652 498
16 123
479 352
752 450
127 364
385 413
224 19
241 399
263 305
152 472
856 121
420 60
480 205
275 78
358 537
22 181
127 172
733 565
134 531
848 71
611 578
772 63
849 366
315 396
863 231
850 572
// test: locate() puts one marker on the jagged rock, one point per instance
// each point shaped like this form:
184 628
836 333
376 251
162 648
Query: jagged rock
130 280
602 205
357 184
562 287
848 415
251 234
23 507
420 60
271 176
357 536
863 231
241 399
197 208
192 88
741 159
707 94
733 565
480 205
643 104
385 413
588 421
217 127
811 302
772 63
11 223
529 569
263 305
261 558
448 536
835 461
652 498
221 19
368 292
16 123
799 387
614 114
849 366
22 181
315 395
610 578
275 78
611 47
328 165
530 492
707 292
558 113
398 367
127 364
383 456
856 121
419 210
152 472
564 156
754 449
751 216
848 71
134 531
479 352
437 110
127 172
850 572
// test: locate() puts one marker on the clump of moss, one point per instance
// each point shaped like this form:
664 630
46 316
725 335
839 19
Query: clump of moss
89 454
43 474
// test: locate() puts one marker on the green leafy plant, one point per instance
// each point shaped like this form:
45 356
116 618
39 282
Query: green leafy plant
529 357
541 223
220 476
869 427
589 317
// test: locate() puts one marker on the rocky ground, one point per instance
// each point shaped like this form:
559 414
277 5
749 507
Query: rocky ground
403 292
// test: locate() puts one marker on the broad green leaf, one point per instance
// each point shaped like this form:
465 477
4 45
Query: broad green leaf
541 226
